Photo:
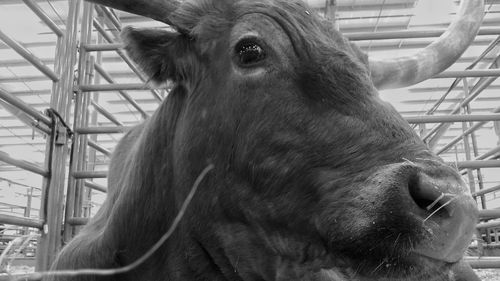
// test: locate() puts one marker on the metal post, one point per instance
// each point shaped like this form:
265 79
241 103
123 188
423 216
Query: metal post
51 211
467 149
27 210
78 150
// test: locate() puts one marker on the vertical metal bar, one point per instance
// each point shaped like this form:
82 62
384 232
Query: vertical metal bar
77 153
467 149
27 210
51 210
94 99
81 149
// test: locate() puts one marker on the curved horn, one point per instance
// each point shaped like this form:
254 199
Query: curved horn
159 10
409 70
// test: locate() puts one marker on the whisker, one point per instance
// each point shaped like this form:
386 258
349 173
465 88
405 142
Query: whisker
440 207
406 160
435 202
378 267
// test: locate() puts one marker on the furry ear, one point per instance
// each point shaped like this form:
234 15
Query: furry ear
161 54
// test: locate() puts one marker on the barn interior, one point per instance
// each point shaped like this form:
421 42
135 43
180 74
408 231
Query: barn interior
68 92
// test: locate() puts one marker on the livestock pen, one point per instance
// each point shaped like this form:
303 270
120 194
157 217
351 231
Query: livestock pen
68 92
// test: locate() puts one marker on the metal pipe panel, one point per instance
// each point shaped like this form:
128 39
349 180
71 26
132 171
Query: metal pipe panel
44 17
478 164
117 87
469 73
90 174
96 186
125 95
20 221
452 118
99 148
102 47
103 130
25 107
486 190
36 62
489 214
4 157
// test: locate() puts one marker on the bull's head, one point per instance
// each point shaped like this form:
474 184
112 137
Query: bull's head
316 178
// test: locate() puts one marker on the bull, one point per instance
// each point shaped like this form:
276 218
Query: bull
314 176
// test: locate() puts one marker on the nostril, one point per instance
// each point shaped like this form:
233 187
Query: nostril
427 196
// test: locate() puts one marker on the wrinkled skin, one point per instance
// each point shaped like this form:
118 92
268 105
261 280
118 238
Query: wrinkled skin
315 178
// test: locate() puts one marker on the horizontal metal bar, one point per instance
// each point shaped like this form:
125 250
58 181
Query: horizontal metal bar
25 118
78 221
478 164
489 214
16 102
486 190
36 62
96 186
44 17
4 157
409 34
452 118
459 138
117 87
483 262
27 222
490 224
102 130
90 174
469 73
124 94
489 153
105 113
102 47
99 148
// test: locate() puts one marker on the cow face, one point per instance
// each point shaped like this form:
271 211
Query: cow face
315 177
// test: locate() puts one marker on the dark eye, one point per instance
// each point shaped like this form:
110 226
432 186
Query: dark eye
249 52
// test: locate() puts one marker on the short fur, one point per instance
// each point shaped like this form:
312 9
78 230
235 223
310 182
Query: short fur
310 178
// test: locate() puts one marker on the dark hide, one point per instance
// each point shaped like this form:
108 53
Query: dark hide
315 177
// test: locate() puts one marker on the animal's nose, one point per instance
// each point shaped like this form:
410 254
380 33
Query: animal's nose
430 197
448 213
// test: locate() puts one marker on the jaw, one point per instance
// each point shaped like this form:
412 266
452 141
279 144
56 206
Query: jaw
272 256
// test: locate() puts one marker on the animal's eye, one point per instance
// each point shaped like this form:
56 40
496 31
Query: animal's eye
249 52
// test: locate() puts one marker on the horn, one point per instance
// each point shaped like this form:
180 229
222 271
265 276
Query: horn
439 55
159 10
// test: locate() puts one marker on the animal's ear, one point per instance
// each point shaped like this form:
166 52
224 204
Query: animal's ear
161 54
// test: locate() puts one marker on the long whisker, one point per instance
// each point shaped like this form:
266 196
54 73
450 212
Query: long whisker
440 207
435 202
